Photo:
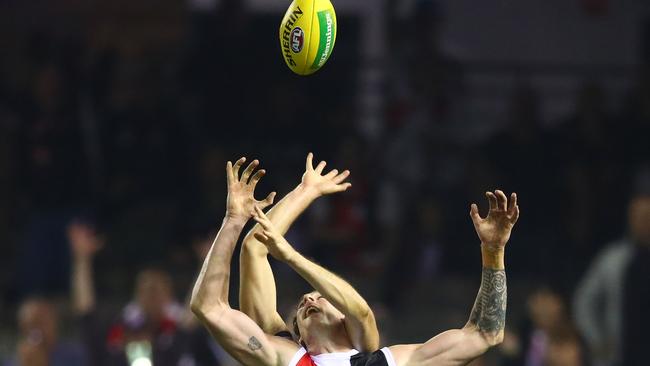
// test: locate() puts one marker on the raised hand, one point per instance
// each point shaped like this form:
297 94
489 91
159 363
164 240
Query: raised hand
320 184
84 241
241 202
494 230
277 245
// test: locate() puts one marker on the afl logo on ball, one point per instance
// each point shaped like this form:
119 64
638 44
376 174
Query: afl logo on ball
297 39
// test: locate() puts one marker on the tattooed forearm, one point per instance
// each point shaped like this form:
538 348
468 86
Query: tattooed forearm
489 312
254 344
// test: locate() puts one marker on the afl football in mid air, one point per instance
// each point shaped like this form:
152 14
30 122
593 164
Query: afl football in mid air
307 35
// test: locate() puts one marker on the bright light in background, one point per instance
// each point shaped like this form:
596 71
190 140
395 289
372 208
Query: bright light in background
139 353
142 361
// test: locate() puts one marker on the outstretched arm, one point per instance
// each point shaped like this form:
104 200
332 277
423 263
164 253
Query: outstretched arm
257 293
84 244
236 333
359 318
486 323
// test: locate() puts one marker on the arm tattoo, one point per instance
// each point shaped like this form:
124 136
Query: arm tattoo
489 312
254 344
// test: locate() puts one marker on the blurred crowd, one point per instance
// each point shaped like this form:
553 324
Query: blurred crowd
112 147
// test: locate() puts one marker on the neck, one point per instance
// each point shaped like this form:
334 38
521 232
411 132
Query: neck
328 341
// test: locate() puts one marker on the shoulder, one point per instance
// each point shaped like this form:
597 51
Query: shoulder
615 253
382 357
619 247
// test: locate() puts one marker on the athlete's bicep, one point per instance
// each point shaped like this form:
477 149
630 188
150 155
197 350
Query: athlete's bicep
245 341
451 348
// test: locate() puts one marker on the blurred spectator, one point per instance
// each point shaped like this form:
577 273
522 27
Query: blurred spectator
612 301
149 328
548 338
39 342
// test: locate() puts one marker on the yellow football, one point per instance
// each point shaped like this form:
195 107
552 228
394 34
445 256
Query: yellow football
307 35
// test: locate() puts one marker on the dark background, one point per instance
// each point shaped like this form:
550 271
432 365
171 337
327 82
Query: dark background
123 114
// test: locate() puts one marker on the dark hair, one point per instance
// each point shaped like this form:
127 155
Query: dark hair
296 332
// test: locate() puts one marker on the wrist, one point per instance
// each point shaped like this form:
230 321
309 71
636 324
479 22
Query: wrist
493 256
82 259
235 220
306 192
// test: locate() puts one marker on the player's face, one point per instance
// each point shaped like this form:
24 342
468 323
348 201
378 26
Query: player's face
546 309
153 292
314 309
38 321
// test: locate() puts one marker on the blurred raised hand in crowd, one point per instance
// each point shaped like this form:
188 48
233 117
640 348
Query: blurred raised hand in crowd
152 326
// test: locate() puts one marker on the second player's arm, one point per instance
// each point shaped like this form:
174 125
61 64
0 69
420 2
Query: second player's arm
359 318
257 291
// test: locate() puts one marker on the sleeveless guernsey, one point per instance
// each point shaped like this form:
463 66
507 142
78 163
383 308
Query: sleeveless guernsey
382 357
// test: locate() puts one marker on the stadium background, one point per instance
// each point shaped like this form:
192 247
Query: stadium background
121 114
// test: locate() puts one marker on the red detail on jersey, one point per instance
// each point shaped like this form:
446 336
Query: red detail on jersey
115 338
305 360
167 326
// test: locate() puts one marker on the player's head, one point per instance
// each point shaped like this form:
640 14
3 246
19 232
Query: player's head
315 314
546 308
38 320
153 291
